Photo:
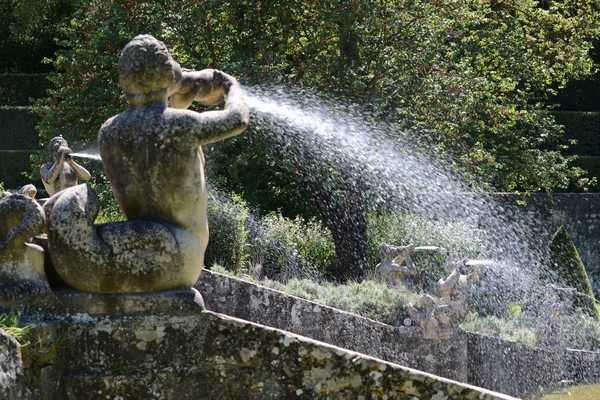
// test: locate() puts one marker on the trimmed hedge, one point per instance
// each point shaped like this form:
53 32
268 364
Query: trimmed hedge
579 96
583 127
565 268
13 164
18 89
17 128
589 163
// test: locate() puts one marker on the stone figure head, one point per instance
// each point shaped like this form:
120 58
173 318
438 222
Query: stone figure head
146 70
56 143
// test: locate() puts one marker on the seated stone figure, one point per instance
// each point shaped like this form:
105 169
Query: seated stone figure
153 158
391 269
63 172
21 262
455 289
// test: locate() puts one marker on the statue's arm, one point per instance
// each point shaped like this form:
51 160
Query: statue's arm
81 172
207 87
450 281
50 173
474 275
232 120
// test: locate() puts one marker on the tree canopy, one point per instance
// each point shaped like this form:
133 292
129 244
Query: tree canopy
468 77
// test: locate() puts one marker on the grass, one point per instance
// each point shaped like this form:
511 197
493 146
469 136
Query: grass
580 392
38 343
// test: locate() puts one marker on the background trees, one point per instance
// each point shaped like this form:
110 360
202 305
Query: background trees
468 77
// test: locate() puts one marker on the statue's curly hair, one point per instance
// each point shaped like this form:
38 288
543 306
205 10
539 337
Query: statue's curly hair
145 66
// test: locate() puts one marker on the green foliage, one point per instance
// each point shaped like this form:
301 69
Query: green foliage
19 89
508 329
368 298
228 234
12 326
19 124
565 268
27 32
580 331
465 74
589 163
109 209
584 128
38 342
286 248
14 166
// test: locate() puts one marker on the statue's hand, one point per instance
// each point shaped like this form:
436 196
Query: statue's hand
64 153
212 86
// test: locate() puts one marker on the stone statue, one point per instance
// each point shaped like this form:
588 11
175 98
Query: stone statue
455 289
391 269
28 190
397 263
153 158
63 172
21 262
557 303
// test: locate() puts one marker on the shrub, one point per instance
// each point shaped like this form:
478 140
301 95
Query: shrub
580 331
564 267
109 209
504 328
367 298
227 216
286 248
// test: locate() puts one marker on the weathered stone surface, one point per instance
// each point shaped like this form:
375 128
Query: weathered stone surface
402 345
495 364
170 302
12 376
130 256
23 284
214 356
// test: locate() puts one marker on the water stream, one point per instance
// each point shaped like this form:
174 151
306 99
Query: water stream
89 155
398 171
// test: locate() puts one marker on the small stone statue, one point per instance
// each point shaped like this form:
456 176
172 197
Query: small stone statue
424 315
391 269
558 302
28 190
63 172
455 289
153 159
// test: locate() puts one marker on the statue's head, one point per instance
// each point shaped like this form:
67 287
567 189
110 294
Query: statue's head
146 69
56 143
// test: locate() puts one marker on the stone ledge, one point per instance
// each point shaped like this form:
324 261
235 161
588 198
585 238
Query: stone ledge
170 302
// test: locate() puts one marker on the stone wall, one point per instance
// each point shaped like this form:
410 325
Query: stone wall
578 212
491 363
402 345
164 346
